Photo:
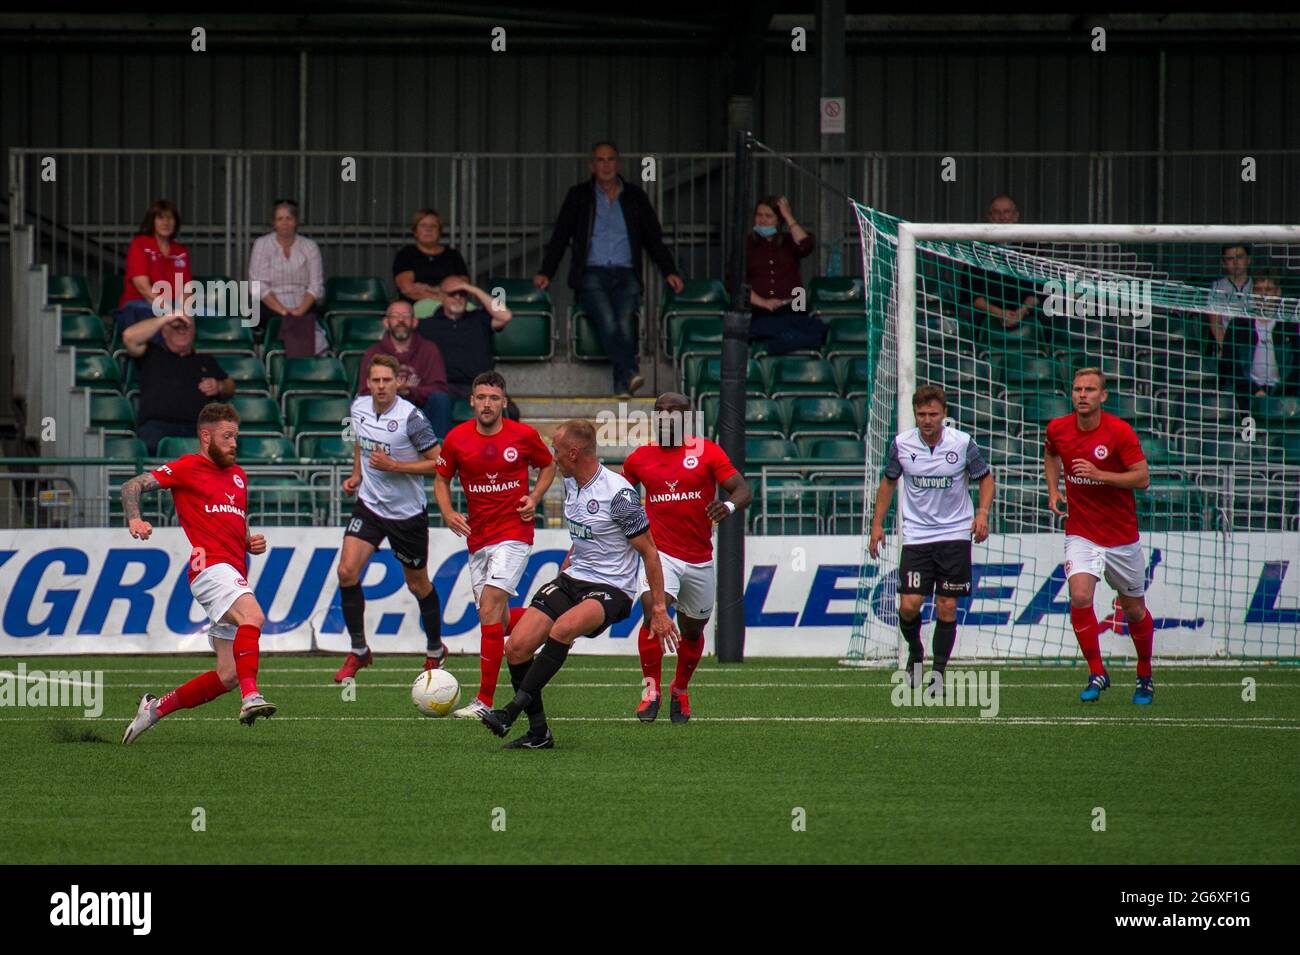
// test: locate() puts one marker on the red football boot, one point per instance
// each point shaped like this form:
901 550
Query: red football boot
434 663
352 664
681 706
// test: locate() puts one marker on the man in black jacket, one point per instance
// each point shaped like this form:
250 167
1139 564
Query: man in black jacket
609 220
1261 350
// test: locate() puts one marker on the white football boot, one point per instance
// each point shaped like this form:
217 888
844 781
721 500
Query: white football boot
255 705
472 711
146 717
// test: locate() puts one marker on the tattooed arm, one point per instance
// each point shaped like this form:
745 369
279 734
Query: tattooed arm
131 491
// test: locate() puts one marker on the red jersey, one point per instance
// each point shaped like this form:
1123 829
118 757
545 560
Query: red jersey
493 470
145 258
679 484
1105 515
211 503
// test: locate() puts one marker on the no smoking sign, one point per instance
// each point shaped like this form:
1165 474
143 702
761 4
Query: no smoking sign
832 115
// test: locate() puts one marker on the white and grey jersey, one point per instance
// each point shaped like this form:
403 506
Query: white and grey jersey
404 434
603 516
935 498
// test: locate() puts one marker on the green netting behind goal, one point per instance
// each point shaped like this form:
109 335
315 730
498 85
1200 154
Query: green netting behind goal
1178 330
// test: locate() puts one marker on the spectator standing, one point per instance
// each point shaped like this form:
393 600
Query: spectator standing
175 380
154 256
464 335
608 221
772 252
421 371
419 268
288 266
1261 350
1231 293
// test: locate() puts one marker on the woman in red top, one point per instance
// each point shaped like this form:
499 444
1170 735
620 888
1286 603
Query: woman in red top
154 256
772 257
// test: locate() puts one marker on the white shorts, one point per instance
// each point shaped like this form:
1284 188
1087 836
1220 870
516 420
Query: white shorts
1124 567
216 589
692 586
501 564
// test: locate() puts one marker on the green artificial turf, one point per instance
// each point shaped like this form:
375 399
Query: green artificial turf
1200 776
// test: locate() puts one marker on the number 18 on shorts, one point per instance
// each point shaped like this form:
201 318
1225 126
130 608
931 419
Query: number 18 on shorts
941 567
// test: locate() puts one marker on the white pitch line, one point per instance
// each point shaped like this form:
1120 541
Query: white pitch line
1256 722
735 670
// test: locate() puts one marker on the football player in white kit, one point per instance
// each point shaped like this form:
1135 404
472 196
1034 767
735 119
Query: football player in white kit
395 448
595 587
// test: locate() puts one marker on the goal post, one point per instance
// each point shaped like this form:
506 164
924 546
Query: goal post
1000 315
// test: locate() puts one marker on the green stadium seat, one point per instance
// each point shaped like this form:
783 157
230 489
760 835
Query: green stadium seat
786 505
1021 371
355 295
521 295
1023 337
830 417
97 370
221 336
171 448
225 301
527 337
324 447
460 411
355 333
316 376
586 343
1173 506
788 376
282 504
352 365
123 448
110 293
112 413
763 417
837 295
699 297
840 502
70 292
1289 445
698 334
265 449
258 415
83 331
1158 451
1040 407
768 451
1263 506
832 450
1020 507
248 373
1004 451
980 415
317 414
853 374
703 374
847 335
1282 413
1138 410
1209 409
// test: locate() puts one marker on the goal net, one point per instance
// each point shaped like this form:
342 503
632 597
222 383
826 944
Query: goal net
1202 364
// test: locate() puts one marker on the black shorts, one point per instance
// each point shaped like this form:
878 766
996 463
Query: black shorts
564 593
408 536
940 566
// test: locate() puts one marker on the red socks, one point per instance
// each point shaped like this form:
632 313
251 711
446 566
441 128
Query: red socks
652 657
246 658
515 614
492 648
204 688
1141 632
1084 620
688 658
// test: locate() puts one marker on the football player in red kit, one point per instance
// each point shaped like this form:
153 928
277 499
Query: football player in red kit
211 496
681 472
1103 464
491 455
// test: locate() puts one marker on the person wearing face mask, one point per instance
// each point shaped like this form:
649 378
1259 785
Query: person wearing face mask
772 255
